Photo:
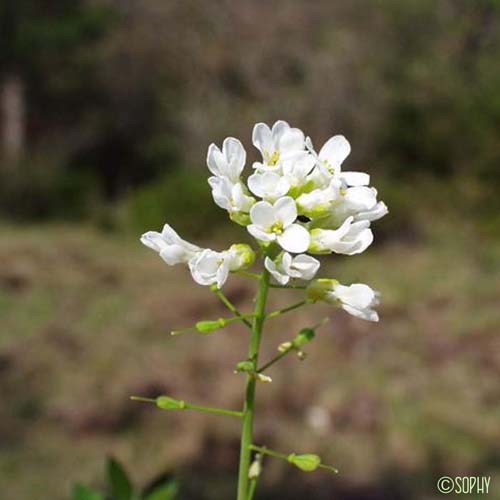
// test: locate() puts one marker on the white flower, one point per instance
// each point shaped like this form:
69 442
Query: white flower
171 247
230 196
278 143
229 162
359 198
357 299
297 169
349 239
318 202
285 267
276 222
209 267
333 153
268 185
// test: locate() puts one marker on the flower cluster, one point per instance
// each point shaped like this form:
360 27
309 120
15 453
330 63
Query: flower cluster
295 203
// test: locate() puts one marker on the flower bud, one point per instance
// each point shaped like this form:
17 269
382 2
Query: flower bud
307 462
242 256
245 366
210 326
168 403
240 218
263 378
304 337
255 468
319 289
285 346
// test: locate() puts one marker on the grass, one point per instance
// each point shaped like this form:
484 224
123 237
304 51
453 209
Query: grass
84 324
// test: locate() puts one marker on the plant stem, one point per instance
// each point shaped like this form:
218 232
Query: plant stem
248 408
251 490
230 306
248 274
191 406
275 360
271 453
217 411
144 400
283 456
289 287
279 312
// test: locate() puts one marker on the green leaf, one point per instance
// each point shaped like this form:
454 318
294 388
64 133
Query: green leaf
165 492
81 492
118 481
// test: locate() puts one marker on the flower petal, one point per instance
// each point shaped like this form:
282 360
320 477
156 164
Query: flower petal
221 191
294 239
153 240
356 178
271 266
268 185
258 233
366 314
279 129
335 150
215 160
262 214
235 155
306 265
285 210
292 141
262 138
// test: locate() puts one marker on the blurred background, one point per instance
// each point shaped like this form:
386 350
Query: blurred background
107 110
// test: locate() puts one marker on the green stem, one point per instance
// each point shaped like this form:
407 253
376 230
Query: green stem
230 305
289 287
283 456
248 274
217 411
144 400
279 312
252 488
191 406
248 408
223 323
275 360
271 453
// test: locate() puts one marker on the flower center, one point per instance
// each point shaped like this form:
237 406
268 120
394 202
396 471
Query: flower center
273 159
329 167
277 228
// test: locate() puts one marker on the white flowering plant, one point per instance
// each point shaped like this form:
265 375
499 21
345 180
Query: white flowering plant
296 203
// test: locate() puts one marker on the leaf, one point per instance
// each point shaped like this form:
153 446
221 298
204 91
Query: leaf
118 481
165 492
81 492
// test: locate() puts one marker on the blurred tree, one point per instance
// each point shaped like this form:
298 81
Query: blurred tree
413 84
41 44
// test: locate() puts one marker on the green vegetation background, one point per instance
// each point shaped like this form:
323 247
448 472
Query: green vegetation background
120 100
